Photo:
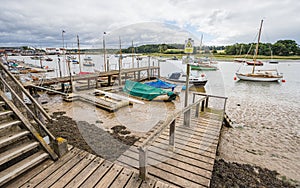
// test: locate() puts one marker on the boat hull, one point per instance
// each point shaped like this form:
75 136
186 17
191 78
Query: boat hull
203 68
260 78
195 83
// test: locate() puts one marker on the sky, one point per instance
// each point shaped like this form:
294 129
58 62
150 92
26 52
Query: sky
220 22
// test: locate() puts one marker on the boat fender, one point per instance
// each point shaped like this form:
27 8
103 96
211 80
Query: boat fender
234 78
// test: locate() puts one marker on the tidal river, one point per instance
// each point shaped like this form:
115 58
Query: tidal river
266 116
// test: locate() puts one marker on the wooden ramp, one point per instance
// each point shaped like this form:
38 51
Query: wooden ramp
79 168
191 162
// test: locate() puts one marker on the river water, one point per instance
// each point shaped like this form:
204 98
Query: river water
266 120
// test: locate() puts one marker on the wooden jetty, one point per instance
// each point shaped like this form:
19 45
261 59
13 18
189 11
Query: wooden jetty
97 76
179 151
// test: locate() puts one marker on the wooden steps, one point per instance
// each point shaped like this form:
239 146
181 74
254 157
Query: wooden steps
19 151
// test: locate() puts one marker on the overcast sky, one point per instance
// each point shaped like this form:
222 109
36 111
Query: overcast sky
39 23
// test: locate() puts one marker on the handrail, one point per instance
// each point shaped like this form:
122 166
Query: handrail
25 91
170 121
209 95
147 142
28 109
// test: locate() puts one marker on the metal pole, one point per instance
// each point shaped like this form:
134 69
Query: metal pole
104 58
187 84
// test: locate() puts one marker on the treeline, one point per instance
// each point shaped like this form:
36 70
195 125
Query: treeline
152 48
280 48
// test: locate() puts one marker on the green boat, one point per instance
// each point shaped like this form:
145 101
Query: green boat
147 92
203 67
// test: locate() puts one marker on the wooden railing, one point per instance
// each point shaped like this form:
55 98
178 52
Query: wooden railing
199 105
162 125
9 84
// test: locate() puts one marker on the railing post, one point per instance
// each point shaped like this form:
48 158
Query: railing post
187 118
143 155
197 109
202 106
172 136
194 96
206 102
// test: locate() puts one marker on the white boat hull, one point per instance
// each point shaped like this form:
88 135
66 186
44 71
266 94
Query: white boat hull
258 78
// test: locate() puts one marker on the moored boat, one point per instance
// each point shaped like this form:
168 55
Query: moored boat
203 67
144 91
259 75
180 77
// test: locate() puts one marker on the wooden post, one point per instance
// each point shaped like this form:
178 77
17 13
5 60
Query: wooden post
97 84
194 96
197 110
143 155
206 102
172 136
158 71
187 118
202 106
88 83
139 75
109 81
148 71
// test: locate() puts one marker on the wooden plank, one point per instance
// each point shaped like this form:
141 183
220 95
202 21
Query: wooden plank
160 184
60 172
205 146
85 173
166 172
188 148
22 166
196 138
66 178
18 182
184 157
123 178
156 158
149 183
134 181
44 174
190 157
173 176
109 177
97 174
199 131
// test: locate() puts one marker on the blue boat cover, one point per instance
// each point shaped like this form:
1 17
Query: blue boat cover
161 84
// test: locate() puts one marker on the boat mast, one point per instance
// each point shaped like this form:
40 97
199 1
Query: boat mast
256 49
78 53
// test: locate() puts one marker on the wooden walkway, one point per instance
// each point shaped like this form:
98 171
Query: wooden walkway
191 162
177 152
79 168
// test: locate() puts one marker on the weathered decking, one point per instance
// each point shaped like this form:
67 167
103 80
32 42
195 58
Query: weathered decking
177 152
79 168
191 162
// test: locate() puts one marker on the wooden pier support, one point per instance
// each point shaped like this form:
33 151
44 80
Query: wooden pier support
143 156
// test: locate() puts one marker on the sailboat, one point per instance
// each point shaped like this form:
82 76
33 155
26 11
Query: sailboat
259 75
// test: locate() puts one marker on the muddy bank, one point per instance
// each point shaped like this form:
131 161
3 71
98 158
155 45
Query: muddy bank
108 144
227 174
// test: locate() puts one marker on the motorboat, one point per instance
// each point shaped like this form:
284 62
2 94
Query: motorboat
180 77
